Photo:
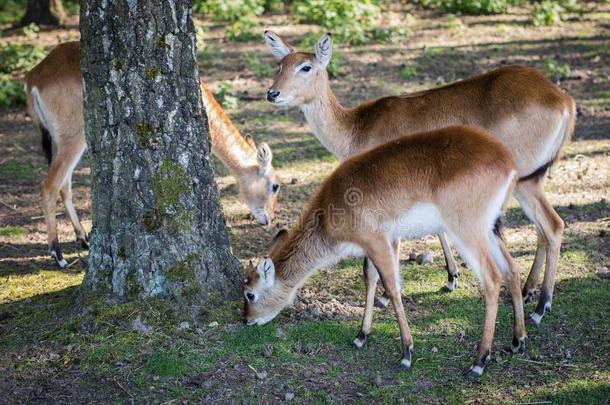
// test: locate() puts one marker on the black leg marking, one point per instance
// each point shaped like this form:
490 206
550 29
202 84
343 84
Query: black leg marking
56 254
477 368
47 143
405 362
518 346
527 295
451 282
539 172
544 305
382 302
360 339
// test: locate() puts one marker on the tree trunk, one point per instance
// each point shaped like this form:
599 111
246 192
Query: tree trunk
158 228
44 12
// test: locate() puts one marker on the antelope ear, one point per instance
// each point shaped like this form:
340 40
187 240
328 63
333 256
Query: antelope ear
266 271
278 47
264 156
250 141
324 49
278 239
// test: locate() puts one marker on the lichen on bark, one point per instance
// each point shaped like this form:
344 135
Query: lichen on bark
158 228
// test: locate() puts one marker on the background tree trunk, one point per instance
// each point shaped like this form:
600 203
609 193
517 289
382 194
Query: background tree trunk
44 12
158 228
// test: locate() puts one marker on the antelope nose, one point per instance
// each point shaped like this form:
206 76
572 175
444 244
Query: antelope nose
272 95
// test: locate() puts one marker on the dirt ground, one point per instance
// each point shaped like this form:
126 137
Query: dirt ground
441 50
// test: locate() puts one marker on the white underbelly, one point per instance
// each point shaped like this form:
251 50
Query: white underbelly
420 220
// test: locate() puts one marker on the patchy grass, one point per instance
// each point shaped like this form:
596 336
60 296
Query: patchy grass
16 171
12 231
55 348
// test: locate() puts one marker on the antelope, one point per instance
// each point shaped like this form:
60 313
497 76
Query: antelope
531 116
54 91
454 180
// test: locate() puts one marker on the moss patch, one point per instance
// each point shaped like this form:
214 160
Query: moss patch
151 73
146 135
116 64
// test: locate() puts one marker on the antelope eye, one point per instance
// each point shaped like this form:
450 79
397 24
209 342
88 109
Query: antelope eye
250 297
275 187
305 68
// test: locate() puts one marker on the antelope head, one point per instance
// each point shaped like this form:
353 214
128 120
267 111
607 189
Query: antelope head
300 76
259 185
265 294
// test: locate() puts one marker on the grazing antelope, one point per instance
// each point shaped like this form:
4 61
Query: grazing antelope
531 116
454 180
55 102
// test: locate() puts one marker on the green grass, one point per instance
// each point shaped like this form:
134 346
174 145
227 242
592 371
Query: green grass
50 332
445 328
12 231
16 170
167 364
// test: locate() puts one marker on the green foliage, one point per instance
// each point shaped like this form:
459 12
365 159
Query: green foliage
72 7
551 12
388 35
17 58
11 11
211 53
554 68
408 72
350 21
11 92
258 67
31 30
474 7
227 101
229 10
244 29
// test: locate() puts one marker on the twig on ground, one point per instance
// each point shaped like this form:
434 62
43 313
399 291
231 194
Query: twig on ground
8 206
73 263
543 363
57 214
534 403
123 388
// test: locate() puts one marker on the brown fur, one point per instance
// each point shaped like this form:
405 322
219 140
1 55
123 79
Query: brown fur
462 171
57 79
517 104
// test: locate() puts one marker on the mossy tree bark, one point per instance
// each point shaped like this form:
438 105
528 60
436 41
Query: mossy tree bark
158 228
44 12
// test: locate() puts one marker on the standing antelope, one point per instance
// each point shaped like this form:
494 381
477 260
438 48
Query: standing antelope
55 102
530 115
453 180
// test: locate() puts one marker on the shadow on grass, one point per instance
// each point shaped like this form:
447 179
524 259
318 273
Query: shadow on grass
572 213
322 348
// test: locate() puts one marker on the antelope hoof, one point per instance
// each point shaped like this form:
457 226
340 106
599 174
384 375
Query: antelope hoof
477 368
405 362
450 286
518 345
61 262
544 306
534 319
359 341
474 372
382 302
